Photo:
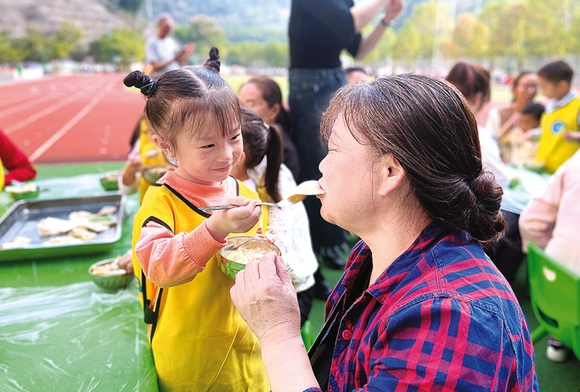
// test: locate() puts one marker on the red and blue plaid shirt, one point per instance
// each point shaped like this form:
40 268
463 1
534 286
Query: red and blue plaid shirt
440 318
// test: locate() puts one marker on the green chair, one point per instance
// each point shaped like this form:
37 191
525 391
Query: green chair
307 333
555 298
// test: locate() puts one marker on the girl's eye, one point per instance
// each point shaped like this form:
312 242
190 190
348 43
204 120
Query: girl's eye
208 146
236 136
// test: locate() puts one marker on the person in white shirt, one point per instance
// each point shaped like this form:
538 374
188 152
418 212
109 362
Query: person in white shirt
163 53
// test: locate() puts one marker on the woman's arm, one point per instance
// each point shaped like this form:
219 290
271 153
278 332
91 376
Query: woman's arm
537 220
368 43
364 12
264 296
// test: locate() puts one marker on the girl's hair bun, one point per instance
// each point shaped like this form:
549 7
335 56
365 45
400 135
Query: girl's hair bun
140 80
213 62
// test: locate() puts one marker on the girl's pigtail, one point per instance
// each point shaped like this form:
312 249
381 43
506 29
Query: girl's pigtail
213 61
142 81
275 157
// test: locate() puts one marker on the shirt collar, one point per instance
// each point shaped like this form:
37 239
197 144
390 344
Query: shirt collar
554 104
408 266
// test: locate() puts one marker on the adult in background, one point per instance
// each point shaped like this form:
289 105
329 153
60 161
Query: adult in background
318 32
355 75
163 53
503 120
473 81
264 96
420 306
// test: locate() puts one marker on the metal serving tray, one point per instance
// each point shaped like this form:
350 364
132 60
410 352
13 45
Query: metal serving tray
23 217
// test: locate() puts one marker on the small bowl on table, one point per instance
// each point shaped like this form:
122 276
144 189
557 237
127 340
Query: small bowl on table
23 191
240 250
107 275
109 182
153 173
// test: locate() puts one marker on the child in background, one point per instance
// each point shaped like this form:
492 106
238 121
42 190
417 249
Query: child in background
198 339
143 155
527 150
560 122
262 169
552 221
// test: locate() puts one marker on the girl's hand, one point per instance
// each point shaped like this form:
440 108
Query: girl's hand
265 297
234 220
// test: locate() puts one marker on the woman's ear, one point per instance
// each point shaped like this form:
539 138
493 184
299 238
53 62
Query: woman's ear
163 145
391 174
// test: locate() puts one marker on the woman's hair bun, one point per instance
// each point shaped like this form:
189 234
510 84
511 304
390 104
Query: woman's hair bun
140 80
213 62
486 223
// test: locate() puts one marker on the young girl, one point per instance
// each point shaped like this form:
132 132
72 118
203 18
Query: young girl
262 169
198 339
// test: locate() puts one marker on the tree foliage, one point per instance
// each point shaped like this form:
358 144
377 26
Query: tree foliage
514 32
65 40
202 31
120 46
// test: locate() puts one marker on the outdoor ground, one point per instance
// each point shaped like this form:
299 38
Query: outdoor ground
88 120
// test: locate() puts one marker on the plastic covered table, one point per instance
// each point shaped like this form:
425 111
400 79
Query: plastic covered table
61 332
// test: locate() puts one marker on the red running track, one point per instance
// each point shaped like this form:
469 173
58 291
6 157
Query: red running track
75 118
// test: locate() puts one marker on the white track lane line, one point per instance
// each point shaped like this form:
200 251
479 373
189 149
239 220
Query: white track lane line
31 103
50 142
43 113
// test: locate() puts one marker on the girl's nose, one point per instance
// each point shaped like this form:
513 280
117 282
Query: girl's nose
226 153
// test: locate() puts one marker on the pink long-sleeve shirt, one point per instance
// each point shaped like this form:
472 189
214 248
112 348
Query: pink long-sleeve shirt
552 221
169 259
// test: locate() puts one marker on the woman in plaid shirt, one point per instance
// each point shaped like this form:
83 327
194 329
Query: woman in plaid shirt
420 306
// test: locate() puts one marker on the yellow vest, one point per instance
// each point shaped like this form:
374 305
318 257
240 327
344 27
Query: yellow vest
146 147
1 176
199 340
554 149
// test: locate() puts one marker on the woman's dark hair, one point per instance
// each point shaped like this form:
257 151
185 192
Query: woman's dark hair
426 125
517 79
194 98
470 79
272 94
259 142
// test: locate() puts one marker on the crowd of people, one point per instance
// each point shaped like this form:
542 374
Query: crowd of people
425 300
441 233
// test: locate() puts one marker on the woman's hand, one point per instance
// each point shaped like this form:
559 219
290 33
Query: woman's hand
266 299
234 220
392 10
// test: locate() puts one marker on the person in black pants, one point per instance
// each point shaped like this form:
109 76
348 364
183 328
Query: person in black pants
318 31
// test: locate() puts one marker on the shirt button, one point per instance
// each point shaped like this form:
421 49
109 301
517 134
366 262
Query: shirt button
346 334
